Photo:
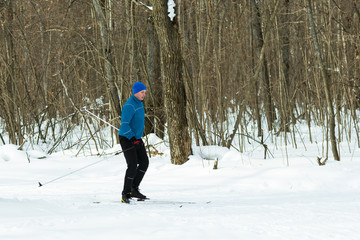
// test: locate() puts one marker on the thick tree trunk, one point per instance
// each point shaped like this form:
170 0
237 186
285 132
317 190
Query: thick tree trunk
173 83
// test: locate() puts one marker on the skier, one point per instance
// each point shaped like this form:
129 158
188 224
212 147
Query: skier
130 133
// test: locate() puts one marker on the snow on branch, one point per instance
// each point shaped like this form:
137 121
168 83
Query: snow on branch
139 3
171 7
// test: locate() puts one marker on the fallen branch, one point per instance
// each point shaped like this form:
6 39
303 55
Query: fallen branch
321 163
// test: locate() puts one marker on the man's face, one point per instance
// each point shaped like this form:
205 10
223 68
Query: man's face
140 95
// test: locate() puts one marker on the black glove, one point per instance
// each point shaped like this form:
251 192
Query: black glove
135 141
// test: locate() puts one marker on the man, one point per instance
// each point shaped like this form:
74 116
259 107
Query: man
130 133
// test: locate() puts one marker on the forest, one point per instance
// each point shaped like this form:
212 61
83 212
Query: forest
213 69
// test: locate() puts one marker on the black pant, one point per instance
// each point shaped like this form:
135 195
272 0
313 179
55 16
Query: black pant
137 163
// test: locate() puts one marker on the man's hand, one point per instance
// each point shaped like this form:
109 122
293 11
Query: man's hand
135 141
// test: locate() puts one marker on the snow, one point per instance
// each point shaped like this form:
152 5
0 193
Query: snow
287 196
171 9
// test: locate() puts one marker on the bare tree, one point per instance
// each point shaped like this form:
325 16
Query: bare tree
258 39
173 83
103 12
218 70
8 85
326 82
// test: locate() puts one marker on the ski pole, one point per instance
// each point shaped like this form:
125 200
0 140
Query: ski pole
55 179
84 108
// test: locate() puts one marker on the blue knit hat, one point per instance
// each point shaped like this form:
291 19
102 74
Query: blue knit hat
138 87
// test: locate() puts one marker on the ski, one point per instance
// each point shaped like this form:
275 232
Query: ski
152 201
166 202
143 199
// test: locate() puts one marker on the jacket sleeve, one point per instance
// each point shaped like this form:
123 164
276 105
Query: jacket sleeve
127 114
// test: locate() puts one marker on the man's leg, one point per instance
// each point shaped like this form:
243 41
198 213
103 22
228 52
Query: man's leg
131 161
143 162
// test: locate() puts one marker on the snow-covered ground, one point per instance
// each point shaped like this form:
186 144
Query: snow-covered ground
247 197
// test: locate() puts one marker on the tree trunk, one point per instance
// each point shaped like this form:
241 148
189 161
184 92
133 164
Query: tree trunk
258 39
326 83
8 89
283 32
173 84
157 120
105 29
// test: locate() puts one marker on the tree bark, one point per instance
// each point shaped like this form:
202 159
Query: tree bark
173 83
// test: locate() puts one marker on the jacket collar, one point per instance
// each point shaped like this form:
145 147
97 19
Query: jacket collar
136 99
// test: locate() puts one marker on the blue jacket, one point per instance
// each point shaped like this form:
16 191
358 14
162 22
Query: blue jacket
132 119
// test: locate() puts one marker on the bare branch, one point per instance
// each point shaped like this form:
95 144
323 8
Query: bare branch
139 3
